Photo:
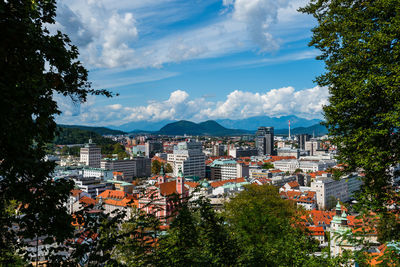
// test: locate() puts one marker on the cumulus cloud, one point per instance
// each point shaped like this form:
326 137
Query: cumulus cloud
103 36
258 15
306 103
132 33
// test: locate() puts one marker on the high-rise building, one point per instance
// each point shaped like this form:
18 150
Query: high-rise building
218 150
312 146
302 139
91 155
152 147
265 141
189 157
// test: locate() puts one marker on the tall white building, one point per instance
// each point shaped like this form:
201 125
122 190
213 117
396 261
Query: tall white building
91 155
329 191
189 157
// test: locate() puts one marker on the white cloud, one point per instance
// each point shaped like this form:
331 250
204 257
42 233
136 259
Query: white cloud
137 34
104 36
306 103
258 15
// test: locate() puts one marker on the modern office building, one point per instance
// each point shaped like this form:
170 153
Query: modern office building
265 141
312 146
329 191
91 155
302 139
227 169
98 173
238 152
131 168
189 157
152 147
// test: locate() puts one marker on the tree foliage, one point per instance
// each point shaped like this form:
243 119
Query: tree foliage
267 229
35 66
359 42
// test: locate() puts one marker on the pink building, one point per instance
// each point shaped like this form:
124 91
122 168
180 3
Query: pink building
161 198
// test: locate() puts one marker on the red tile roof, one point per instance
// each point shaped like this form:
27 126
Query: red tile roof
316 230
307 196
294 184
118 198
87 201
221 183
168 188
192 184
76 192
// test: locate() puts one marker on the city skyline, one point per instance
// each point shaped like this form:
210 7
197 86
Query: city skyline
192 60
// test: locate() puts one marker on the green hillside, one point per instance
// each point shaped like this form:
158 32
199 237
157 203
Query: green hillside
205 128
98 130
69 136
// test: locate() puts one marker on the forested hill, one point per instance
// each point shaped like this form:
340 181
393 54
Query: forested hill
98 130
69 136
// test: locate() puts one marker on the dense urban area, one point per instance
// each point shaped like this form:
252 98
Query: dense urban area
144 171
226 180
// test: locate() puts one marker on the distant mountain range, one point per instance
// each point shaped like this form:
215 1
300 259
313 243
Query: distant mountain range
253 123
219 128
204 128
250 124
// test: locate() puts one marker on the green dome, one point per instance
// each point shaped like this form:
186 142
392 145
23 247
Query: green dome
338 206
205 184
344 215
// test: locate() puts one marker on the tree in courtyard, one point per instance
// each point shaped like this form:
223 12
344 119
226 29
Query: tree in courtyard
268 165
155 167
36 65
267 229
359 42
168 168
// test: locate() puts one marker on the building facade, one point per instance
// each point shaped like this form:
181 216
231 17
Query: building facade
188 157
131 168
152 147
265 141
90 155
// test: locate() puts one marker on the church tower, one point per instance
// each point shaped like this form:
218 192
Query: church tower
180 183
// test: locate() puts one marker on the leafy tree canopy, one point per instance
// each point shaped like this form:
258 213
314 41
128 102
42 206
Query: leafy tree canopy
359 42
36 65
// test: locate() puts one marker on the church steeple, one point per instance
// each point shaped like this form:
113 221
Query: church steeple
180 182
161 178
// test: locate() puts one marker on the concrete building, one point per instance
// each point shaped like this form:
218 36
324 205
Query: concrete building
288 152
290 165
218 150
91 155
91 185
98 173
238 152
152 147
312 146
265 141
226 169
329 191
189 157
302 139
131 168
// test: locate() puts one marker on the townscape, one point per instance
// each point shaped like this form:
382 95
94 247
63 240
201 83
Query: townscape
302 168
200 133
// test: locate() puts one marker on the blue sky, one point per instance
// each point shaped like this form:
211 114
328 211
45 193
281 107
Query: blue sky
193 59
